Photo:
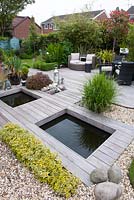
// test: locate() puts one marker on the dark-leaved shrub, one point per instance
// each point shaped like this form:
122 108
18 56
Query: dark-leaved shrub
99 93
38 81
44 164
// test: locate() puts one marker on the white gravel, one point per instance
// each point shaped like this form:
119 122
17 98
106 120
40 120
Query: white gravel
17 183
119 113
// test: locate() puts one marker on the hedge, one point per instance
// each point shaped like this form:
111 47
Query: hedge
45 165
44 66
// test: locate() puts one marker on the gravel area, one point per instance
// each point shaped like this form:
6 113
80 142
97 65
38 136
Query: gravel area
125 115
17 183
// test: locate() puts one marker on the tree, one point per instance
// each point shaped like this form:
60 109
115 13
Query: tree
8 10
117 26
81 31
130 42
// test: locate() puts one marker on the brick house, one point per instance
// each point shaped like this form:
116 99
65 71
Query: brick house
49 25
21 26
131 13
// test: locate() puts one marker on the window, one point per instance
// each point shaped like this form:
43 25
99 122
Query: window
46 26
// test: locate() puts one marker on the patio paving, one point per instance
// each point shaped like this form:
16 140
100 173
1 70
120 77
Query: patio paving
75 79
33 114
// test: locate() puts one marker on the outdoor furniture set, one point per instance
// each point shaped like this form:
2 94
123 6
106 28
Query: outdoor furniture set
122 70
81 63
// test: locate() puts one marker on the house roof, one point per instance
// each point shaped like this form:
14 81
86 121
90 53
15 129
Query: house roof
92 14
131 10
19 19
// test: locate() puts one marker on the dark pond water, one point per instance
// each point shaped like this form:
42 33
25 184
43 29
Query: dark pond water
79 136
17 99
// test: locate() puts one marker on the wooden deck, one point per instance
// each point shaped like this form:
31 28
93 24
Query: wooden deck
33 114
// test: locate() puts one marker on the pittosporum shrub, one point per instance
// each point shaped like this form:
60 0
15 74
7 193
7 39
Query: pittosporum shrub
44 164
38 81
99 93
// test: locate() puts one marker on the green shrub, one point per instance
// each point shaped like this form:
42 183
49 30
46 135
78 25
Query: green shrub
106 56
26 56
44 66
3 38
33 154
24 72
99 93
38 81
131 173
2 55
55 53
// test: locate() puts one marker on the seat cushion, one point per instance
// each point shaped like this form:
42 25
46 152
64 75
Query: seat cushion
117 71
106 68
88 62
77 62
89 57
75 56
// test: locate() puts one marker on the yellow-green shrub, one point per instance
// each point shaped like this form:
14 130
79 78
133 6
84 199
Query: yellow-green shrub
38 158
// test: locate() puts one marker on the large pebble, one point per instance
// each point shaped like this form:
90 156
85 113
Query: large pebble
99 175
107 191
114 174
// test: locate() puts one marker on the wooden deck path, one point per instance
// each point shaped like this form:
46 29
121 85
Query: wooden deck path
33 114
3 120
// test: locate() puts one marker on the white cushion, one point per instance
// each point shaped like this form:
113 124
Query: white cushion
88 62
77 62
89 57
75 56
106 68
117 71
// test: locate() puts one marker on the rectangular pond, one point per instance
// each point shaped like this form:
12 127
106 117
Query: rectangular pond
78 135
17 99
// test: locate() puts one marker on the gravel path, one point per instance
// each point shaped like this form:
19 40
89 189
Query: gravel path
17 183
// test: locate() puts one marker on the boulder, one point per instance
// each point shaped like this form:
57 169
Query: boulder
114 174
107 191
99 175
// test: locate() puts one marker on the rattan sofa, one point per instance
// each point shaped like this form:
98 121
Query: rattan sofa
75 63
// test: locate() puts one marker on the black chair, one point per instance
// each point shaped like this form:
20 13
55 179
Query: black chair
104 67
110 67
126 73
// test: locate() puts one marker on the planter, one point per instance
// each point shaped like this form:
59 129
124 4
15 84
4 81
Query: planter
14 79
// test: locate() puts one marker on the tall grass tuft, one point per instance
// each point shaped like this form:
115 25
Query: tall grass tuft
99 93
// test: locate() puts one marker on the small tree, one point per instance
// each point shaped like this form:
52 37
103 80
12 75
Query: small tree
33 36
117 26
130 42
8 10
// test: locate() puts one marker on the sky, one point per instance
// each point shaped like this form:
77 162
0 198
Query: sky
44 9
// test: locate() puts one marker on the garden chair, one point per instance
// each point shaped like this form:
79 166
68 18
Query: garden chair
125 73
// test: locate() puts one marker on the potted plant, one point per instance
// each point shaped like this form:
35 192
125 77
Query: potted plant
24 75
15 66
106 56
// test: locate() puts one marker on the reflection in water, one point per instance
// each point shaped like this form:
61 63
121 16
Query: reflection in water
17 99
81 137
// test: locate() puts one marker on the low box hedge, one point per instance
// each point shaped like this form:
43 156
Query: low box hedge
33 154
44 66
